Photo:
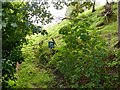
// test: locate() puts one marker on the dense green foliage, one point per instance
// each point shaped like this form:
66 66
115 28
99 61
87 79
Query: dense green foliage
13 36
17 24
82 57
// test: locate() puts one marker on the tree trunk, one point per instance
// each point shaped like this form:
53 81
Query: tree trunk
118 44
93 9
119 20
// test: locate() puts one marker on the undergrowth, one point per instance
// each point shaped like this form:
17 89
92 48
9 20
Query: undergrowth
84 56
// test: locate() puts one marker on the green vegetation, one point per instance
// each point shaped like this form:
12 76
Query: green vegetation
16 25
84 56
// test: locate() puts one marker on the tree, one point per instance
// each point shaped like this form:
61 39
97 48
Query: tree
78 6
16 24
119 21
118 44
93 7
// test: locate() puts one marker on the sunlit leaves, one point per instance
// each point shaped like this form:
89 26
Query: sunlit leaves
88 5
39 12
82 56
16 24
65 30
58 4
44 32
77 7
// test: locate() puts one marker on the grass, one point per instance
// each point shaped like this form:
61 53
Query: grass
32 74
29 75
32 77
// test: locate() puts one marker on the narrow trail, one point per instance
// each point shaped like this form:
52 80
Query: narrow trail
30 74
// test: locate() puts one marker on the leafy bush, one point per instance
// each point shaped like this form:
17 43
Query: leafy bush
83 59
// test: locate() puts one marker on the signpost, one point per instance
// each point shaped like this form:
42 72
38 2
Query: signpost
51 44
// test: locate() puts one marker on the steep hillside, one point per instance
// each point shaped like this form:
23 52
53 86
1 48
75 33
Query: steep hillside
98 23
38 72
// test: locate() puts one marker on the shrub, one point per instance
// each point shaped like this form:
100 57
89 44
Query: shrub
83 58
